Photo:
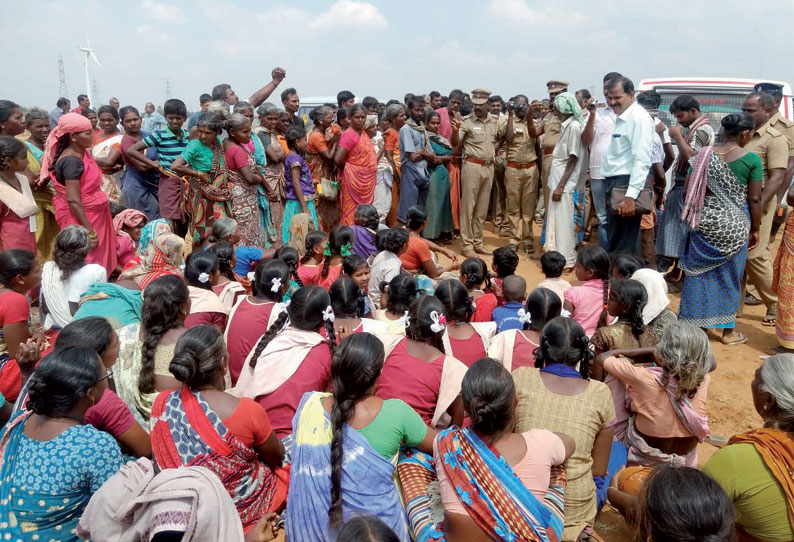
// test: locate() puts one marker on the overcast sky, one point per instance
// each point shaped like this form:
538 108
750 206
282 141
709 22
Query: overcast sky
383 48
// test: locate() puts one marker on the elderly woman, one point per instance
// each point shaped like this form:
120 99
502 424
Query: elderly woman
320 150
67 277
565 177
78 180
755 467
275 183
243 177
356 157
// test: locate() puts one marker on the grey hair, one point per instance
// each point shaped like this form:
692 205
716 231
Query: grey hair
72 245
242 106
372 120
392 111
685 354
35 114
219 108
222 228
236 121
777 379
267 109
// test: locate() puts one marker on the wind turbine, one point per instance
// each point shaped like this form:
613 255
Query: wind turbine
87 51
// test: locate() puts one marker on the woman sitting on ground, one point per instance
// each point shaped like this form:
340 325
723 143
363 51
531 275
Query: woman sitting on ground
162 257
471 462
347 301
466 340
417 259
202 273
655 315
203 425
64 279
147 347
754 468
353 436
231 287
395 298
50 461
474 274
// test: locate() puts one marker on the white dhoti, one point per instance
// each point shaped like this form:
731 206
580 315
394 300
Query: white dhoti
560 228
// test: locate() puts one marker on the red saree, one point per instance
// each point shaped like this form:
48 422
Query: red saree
361 169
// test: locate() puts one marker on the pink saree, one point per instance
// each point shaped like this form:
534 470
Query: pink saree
361 169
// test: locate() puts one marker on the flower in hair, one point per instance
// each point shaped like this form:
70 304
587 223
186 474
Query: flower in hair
404 320
203 278
346 250
439 322
251 275
327 251
524 317
565 313
328 314
276 282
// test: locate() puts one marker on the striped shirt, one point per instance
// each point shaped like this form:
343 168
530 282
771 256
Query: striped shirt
168 146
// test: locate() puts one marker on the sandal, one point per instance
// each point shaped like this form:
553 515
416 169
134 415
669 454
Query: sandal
769 320
740 339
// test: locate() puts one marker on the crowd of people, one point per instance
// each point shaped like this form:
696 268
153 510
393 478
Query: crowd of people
237 323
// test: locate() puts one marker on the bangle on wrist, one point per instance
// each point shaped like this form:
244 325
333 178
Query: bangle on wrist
92 234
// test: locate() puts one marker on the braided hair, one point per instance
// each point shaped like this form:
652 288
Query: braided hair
458 304
346 298
313 239
596 260
419 321
633 296
476 272
355 368
225 252
163 300
10 147
401 290
266 277
290 256
305 312
542 305
341 237
563 341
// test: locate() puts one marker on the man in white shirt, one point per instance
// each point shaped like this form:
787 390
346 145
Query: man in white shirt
626 166
596 136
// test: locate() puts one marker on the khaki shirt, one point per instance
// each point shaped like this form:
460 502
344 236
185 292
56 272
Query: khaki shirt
479 138
771 146
522 149
785 127
552 128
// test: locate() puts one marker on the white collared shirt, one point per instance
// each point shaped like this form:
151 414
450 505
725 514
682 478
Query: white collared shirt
604 125
629 152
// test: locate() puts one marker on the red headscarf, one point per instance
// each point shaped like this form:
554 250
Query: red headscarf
129 218
69 123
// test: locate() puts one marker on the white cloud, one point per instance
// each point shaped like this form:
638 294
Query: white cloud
153 35
352 14
167 13
520 13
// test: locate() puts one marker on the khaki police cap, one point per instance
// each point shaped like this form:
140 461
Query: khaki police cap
557 86
480 96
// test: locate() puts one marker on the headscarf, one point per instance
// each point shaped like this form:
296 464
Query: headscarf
150 231
70 123
656 287
566 104
129 218
162 258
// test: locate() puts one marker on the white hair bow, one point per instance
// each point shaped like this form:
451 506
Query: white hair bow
404 320
251 275
328 314
203 278
276 282
565 313
439 322
524 317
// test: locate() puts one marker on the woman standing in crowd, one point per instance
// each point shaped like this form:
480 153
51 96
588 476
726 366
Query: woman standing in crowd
38 126
275 183
107 151
353 435
387 187
439 208
783 284
203 425
320 151
18 207
561 399
50 462
139 182
67 277
358 162
724 182
78 195
300 192
528 467
754 467
465 340
148 347
244 177
20 273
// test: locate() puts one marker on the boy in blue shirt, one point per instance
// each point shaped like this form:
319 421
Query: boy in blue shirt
506 316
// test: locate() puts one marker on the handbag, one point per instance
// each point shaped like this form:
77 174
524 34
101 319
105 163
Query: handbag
329 189
643 204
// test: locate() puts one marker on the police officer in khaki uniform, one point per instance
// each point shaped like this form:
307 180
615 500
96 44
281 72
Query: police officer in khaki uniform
478 134
550 129
773 149
519 133
783 125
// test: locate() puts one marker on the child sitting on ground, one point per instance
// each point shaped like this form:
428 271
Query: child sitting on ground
506 315
357 268
504 264
588 303
552 263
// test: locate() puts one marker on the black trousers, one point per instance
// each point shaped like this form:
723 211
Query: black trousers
624 232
